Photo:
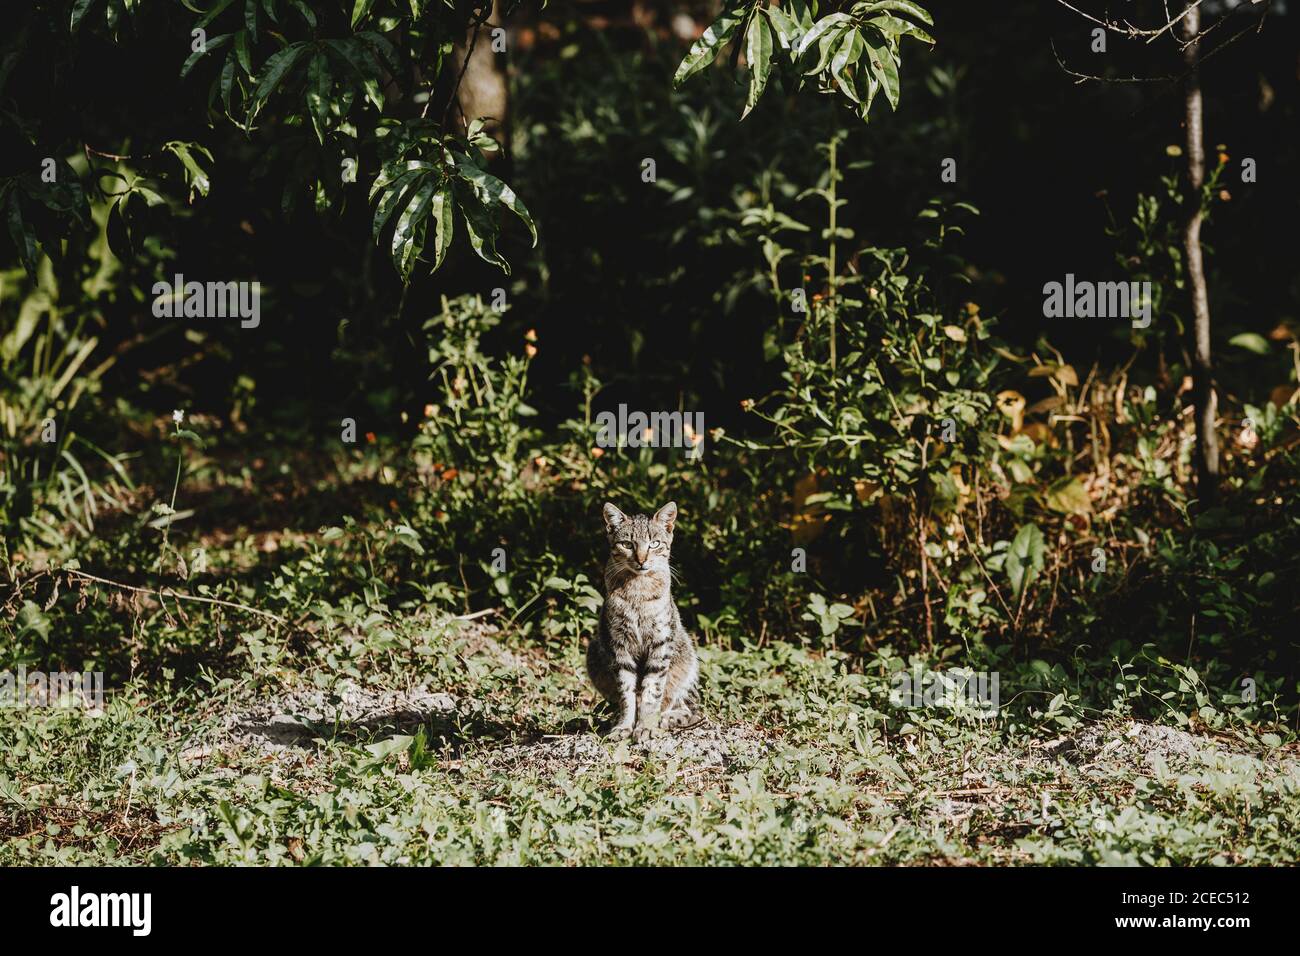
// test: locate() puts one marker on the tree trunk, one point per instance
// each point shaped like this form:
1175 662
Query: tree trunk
1203 394
484 92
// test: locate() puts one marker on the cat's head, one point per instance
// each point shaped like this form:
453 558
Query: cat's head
640 544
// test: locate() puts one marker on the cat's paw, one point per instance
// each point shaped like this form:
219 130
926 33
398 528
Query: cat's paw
643 734
619 733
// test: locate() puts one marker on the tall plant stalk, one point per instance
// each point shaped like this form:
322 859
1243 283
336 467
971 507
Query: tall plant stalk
1203 394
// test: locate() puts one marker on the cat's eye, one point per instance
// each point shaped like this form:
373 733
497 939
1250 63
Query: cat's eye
656 545
625 545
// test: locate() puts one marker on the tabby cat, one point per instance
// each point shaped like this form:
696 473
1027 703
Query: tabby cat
642 660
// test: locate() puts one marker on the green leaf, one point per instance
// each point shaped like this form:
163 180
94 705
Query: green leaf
758 51
784 26
898 6
703 50
443 213
801 13
195 176
865 85
392 200
826 41
492 191
482 229
1252 342
883 67
273 72
241 51
250 18
118 231
305 11
850 50
23 238
319 84
360 10
1068 496
1024 558
215 43
361 59
408 236
820 29
894 27
79 11
228 79
394 171
384 51
220 7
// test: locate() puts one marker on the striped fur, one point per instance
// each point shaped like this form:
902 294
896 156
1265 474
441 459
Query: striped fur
642 659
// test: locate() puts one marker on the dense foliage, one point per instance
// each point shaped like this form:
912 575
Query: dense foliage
904 463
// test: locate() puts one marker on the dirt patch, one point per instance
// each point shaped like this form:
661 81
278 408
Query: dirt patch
297 718
1133 742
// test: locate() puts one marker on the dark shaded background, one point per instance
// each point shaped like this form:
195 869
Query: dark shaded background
635 280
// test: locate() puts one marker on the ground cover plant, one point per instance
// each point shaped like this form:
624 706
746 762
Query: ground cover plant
973 582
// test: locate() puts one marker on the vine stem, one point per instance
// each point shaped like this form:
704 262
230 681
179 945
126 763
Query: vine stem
177 595
830 296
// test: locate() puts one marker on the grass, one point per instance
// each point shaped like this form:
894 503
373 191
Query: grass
388 722
465 745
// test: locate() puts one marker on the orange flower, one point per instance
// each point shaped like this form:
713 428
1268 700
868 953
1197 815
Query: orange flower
746 404
450 474
1224 195
531 335
530 351
1223 158
428 411
370 437
597 452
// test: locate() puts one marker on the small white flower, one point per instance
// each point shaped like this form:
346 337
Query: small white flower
178 416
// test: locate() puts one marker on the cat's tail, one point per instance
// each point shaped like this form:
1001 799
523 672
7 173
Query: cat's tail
686 714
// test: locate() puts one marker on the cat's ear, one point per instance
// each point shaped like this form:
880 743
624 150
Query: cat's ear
613 517
667 516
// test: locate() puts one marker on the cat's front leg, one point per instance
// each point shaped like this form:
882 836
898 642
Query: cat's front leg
625 666
653 685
